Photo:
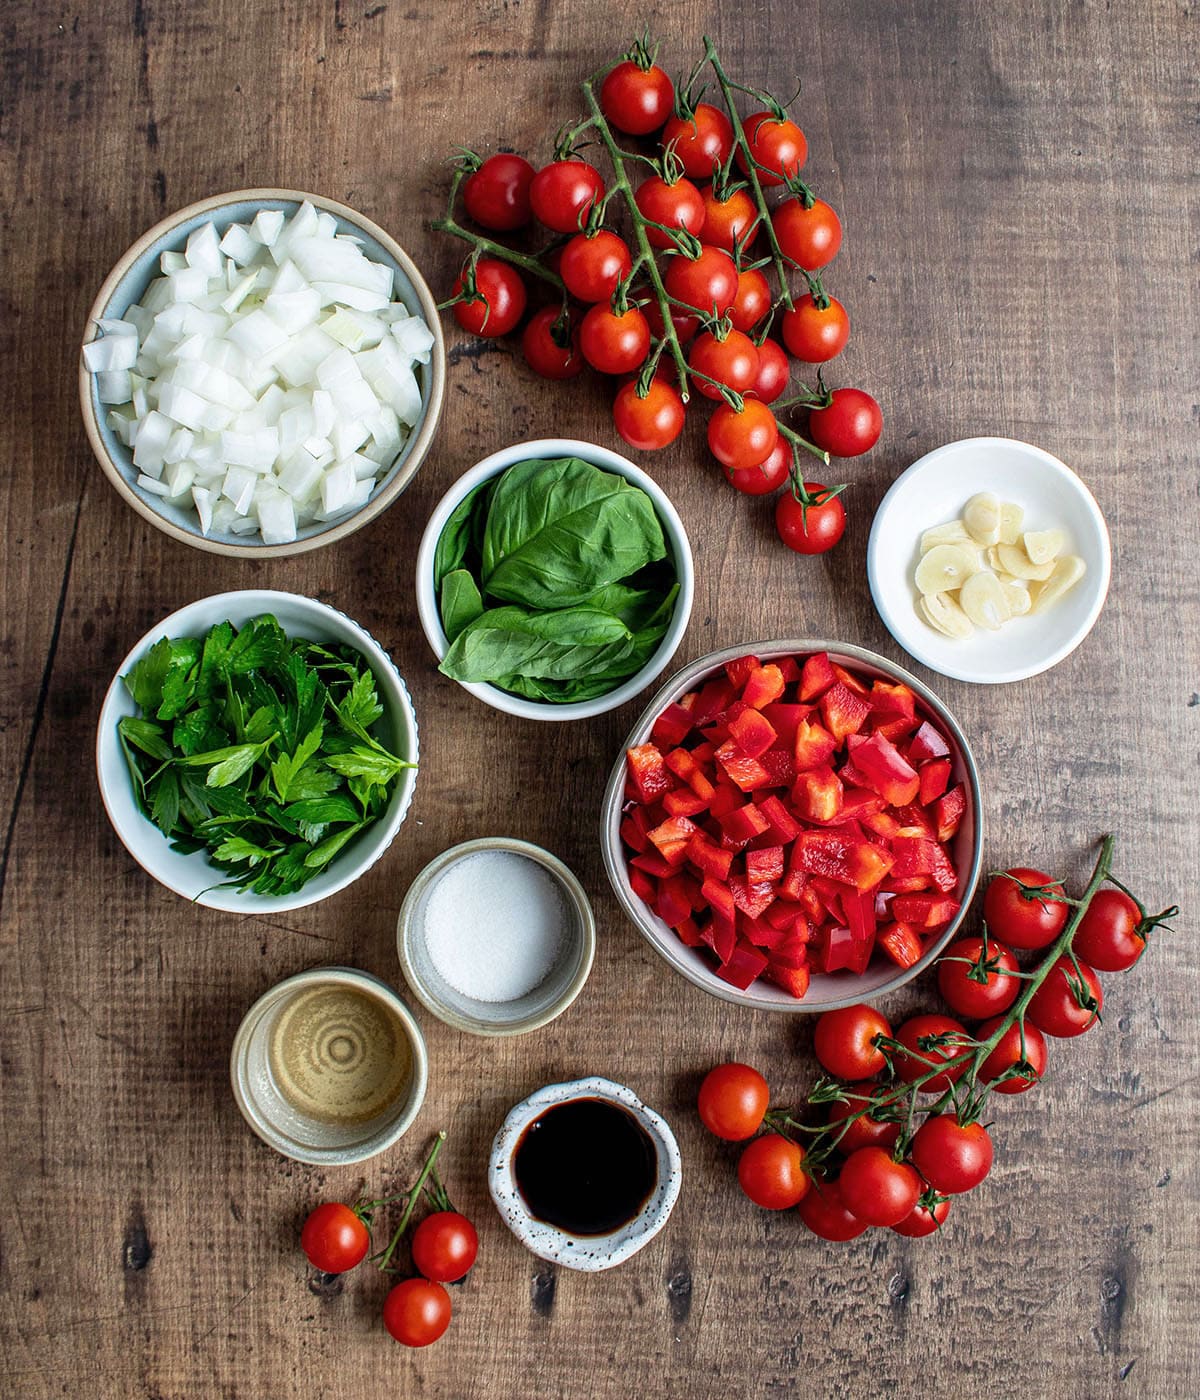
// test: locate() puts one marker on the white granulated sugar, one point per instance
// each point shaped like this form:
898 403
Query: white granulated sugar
494 925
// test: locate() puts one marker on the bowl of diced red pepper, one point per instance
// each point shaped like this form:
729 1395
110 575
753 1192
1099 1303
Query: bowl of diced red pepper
795 825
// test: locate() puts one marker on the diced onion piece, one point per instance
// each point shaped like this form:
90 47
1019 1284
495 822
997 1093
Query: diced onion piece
202 251
151 484
238 244
114 386
267 226
202 499
276 517
110 352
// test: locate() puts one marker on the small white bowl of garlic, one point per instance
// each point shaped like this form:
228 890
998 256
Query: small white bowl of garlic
989 560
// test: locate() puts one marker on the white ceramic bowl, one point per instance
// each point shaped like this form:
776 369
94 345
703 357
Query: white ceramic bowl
589 1253
825 991
127 283
934 490
191 875
677 544
276 1121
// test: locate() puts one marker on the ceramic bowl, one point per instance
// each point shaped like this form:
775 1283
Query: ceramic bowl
191 875
677 544
557 989
593 1252
126 284
825 991
295 1134
934 490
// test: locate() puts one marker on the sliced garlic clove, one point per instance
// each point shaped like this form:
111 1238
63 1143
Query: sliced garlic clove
1065 574
1016 562
983 600
1011 519
1017 595
981 516
1044 545
944 615
945 568
953 532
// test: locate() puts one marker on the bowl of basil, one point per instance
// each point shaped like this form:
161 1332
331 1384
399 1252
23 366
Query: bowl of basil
554 580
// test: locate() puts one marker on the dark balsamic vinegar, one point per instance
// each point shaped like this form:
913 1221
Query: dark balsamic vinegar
587 1166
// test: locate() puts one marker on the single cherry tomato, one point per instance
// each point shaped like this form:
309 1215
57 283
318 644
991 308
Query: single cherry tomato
951 1156
702 142
815 333
726 221
562 194
1021 922
1109 934
731 361
707 283
925 1057
777 146
1012 1049
637 100
544 352
500 303
774 372
1068 1002
810 237
444 1246
844 1041
686 325
733 1099
771 1172
850 425
417 1312
649 423
593 265
810 529
877 1188
923 1220
334 1238
677 205
863 1131
753 300
826 1214
742 438
768 476
957 984
497 194
612 343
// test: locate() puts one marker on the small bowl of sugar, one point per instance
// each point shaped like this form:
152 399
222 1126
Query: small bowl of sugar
496 937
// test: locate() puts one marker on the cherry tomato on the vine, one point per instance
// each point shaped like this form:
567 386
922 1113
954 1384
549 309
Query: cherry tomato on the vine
563 193
543 353
768 476
826 1214
676 206
971 998
652 422
612 343
1109 934
774 372
637 100
844 1041
417 1312
814 528
444 1246
702 142
592 266
877 1188
863 1131
334 1238
922 1221
742 438
849 426
686 325
1008 1052
497 194
810 237
1056 1008
708 282
923 1059
500 303
777 146
732 361
1021 922
951 1156
815 333
733 1099
726 221
753 300
771 1172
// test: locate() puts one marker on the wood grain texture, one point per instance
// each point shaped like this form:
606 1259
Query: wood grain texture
1017 181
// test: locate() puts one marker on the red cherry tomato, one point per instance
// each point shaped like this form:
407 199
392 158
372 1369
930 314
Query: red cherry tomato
815 333
500 304
733 1099
497 194
825 1213
611 343
592 266
771 1172
543 352
677 205
968 997
777 146
726 221
951 1156
1009 1052
686 325
444 1246
745 438
1056 1007
922 1220
417 1312
1109 934
334 1238
562 194
774 372
637 100
810 237
768 476
844 1041
732 361
810 529
1021 922
850 425
925 1057
708 283
876 1188
863 1131
753 300
649 423
702 142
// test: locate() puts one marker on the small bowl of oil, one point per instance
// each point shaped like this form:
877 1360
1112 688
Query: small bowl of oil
329 1067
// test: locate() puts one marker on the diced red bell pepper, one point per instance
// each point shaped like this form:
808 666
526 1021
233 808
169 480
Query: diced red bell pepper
811 901
829 892
752 732
671 839
720 933
704 752
739 669
935 777
789 667
859 803
817 795
900 943
712 699
764 684
783 828
673 904
791 887
860 914
744 965
672 727
711 860
683 764
908 884
751 897
647 772
913 856
816 676
785 914
653 864
785 718
927 742
720 898
948 811
884 768
914 818
941 869
764 934
837 950
780 765
814 745
746 772
683 802
765 864
844 712
642 885
793 980
851 681
881 823
842 857
890 701
744 824
633 835
794 952
894 729
726 798
924 911
689 934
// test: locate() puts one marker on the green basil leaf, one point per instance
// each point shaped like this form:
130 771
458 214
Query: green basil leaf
460 602
563 645
456 539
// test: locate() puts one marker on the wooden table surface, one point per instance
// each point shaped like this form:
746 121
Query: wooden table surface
1020 260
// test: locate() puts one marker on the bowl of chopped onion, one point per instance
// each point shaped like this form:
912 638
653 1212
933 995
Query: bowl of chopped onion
262 373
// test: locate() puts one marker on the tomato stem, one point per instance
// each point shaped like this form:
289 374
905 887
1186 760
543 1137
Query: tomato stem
413 1196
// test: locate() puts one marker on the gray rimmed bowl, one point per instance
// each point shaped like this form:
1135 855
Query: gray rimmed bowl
826 991
126 284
